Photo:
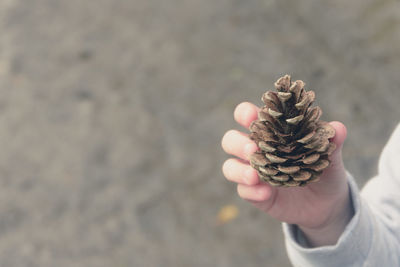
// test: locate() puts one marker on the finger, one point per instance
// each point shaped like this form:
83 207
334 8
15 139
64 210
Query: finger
238 144
245 113
239 172
255 193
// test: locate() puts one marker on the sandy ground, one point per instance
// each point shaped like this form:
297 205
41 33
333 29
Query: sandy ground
111 114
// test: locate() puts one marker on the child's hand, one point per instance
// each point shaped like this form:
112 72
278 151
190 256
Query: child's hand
321 210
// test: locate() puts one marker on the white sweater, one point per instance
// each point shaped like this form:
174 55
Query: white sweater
372 237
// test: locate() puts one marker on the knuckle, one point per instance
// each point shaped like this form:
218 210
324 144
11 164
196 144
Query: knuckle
262 195
252 176
231 133
226 166
225 139
238 110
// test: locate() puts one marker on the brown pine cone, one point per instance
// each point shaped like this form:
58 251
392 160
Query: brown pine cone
293 143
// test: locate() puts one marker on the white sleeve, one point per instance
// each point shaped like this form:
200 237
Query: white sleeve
372 237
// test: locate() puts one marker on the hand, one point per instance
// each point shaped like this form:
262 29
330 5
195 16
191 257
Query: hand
321 210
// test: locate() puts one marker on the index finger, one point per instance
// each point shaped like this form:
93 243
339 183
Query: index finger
245 113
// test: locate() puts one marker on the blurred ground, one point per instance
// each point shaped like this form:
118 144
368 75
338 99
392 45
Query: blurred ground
111 114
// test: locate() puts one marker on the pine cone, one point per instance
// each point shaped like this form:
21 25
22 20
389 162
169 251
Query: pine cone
293 143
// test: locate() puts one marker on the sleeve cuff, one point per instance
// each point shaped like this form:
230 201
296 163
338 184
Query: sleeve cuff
354 243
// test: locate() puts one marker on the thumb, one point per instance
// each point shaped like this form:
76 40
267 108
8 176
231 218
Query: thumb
338 140
332 179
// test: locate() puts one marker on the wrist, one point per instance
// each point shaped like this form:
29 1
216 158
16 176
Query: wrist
328 232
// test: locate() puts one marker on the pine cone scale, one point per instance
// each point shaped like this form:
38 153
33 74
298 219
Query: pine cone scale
311 158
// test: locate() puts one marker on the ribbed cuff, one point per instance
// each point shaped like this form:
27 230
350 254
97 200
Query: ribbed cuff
352 247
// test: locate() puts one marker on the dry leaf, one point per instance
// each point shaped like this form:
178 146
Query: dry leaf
227 213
